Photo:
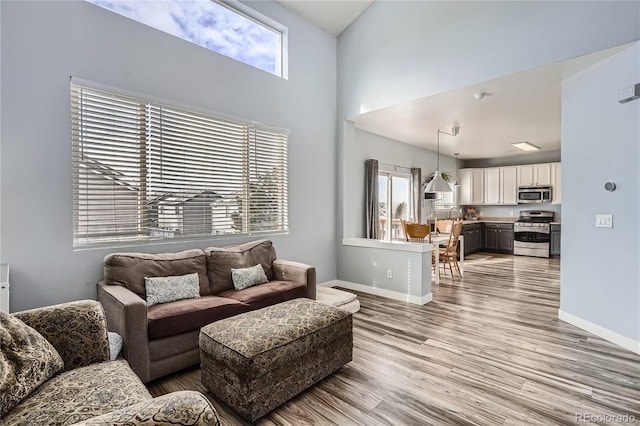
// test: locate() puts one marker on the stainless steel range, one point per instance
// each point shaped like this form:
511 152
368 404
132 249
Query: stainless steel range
532 233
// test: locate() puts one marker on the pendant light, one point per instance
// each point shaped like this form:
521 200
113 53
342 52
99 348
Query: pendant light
457 180
438 184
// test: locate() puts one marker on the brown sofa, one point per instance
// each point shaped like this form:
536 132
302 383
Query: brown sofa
89 389
163 338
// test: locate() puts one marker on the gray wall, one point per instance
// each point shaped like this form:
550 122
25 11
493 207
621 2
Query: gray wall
404 50
43 43
411 271
600 280
398 51
513 160
365 145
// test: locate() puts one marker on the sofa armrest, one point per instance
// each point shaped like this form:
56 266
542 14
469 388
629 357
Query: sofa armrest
127 315
286 270
78 331
177 408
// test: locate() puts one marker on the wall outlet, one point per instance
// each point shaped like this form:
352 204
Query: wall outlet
604 221
511 213
389 273
481 213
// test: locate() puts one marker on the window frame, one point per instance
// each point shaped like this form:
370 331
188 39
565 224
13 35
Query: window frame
410 207
80 243
271 24
442 207
281 55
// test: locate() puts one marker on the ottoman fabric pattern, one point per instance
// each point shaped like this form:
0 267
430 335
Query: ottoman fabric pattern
252 343
258 360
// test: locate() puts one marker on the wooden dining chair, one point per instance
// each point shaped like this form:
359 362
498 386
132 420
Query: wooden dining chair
449 254
444 226
403 226
417 232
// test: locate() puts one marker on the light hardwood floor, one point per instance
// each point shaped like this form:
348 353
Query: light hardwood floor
488 350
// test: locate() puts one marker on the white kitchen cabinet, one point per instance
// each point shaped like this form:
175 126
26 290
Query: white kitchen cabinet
492 185
556 183
500 185
534 174
525 175
542 173
477 186
471 186
464 192
509 185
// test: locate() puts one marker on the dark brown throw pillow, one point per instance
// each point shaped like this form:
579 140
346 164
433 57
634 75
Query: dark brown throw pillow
26 361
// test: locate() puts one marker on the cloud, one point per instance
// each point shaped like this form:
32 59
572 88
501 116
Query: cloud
208 24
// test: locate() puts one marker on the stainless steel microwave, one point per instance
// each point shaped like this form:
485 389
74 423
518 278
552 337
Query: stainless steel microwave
534 194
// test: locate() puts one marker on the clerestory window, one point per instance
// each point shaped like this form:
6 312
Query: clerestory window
144 170
226 27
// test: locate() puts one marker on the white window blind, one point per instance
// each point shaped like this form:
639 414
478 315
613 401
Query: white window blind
144 171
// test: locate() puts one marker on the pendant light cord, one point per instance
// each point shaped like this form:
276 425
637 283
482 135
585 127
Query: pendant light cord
438 160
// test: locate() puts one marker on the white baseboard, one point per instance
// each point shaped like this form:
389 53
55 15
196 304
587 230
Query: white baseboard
389 294
613 337
332 283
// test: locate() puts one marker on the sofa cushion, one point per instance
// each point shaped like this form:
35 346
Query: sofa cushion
175 408
220 260
267 294
130 269
80 394
170 289
247 277
26 360
173 318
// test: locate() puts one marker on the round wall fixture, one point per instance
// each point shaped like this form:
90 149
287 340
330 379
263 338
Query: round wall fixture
479 95
610 186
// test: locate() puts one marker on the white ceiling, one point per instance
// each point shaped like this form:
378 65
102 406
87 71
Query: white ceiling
519 107
331 15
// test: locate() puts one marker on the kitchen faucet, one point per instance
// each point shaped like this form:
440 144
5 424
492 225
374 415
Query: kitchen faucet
452 208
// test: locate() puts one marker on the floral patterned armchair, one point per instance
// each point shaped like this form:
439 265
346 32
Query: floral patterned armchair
90 389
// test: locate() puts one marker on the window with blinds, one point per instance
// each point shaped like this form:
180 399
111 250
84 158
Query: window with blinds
143 170
447 200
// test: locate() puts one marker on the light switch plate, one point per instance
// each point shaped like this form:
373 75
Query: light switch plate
604 221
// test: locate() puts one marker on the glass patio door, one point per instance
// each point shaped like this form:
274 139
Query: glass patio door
395 204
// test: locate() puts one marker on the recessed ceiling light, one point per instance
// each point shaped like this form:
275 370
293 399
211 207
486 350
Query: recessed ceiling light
525 146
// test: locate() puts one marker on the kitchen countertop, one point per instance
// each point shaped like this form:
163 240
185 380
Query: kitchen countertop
490 220
556 223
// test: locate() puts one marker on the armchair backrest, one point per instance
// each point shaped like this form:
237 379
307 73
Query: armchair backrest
78 331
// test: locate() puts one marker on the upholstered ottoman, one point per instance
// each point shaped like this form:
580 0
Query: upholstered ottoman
257 360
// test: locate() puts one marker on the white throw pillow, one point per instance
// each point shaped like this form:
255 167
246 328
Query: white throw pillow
170 289
115 345
247 277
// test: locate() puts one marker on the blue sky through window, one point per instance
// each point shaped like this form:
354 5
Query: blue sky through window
208 24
